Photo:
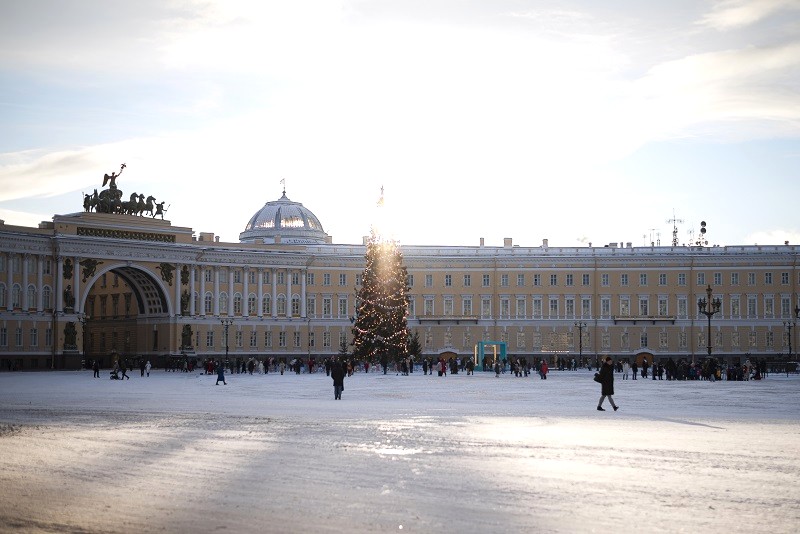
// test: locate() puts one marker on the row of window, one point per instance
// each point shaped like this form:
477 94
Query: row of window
33 337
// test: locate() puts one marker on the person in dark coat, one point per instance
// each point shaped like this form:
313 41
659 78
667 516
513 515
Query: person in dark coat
221 374
606 384
337 373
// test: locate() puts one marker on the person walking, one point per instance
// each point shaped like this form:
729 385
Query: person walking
96 369
337 373
147 367
626 368
634 369
606 385
543 370
221 374
141 367
124 372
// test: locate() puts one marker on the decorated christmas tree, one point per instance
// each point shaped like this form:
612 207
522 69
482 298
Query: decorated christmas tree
380 330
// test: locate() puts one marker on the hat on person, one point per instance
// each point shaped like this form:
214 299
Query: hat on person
608 358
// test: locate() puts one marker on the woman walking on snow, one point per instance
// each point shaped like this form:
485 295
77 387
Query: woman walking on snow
607 385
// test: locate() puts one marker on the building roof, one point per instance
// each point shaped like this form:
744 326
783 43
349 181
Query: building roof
283 221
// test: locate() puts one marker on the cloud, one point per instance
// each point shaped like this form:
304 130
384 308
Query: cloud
734 14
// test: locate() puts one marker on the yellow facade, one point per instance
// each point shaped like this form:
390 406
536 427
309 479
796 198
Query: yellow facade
138 282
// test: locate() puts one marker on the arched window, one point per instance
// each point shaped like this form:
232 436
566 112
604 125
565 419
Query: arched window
31 296
267 305
237 303
251 304
16 292
209 303
47 298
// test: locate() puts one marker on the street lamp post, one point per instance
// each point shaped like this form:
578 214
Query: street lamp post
580 325
83 318
709 308
225 324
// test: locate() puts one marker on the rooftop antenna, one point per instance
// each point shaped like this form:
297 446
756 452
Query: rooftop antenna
283 183
674 220
657 242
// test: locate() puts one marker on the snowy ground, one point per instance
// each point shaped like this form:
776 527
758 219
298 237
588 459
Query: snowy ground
175 453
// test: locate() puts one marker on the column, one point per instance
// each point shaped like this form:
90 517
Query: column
40 283
192 310
59 289
202 290
274 294
216 291
25 304
10 281
230 291
177 289
76 284
304 275
246 291
288 294
260 305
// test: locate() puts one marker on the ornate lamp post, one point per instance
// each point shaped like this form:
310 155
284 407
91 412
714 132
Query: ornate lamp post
709 308
226 323
83 319
580 325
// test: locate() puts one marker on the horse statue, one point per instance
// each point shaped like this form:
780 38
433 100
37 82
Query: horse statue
149 204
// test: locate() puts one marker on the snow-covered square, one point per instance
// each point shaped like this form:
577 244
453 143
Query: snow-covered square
172 452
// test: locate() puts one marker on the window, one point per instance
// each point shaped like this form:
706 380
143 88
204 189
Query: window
428 305
569 307
504 280
644 306
786 305
448 306
326 279
342 280
642 279
342 306
768 278
520 308
486 307
310 279
237 277
681 279
311 340
268 339
586 307
784 279
47 298
585 279
717 279
31 296
428 280
537 307
281 339
769 306
267 305
238 338
662 306
625 306
735 307
296 338
253 339
412 308
605 307
553 279
623 279
466 306
467 280
359 279
281 305
251 277
210 339
604 280
643 340
15 296
520 280
295 305
237 304
485 280
553 307
327 307
505 308
448 280
252 301
569 280
207 275
342 338
734 279
208 302
326 340
752 306
3 337
34 337
662 279
537 279
701 279
410 280
311 306
751 279
280 278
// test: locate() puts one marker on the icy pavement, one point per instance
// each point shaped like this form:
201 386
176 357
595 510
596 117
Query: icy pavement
270 453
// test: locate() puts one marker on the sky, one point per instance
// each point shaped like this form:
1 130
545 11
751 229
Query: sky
574 121
173 452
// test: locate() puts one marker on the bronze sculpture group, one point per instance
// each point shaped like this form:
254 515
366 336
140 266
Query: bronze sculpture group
110 200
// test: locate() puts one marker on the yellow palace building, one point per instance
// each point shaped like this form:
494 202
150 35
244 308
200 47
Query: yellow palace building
115 281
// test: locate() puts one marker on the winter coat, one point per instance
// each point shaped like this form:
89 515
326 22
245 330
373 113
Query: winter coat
607 379
337 373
